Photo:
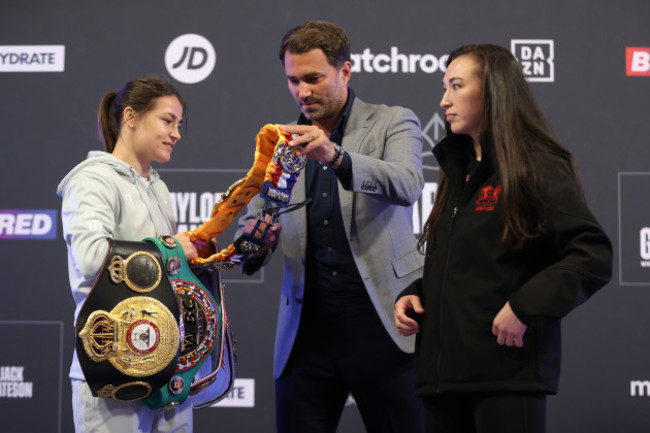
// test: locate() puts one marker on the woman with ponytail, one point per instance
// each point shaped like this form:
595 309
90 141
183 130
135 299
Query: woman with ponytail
118 195
510 249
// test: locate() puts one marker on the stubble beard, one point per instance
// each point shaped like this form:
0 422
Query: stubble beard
322 112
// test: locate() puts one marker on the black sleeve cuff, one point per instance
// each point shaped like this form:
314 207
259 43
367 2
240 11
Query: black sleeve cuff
344 171
524 318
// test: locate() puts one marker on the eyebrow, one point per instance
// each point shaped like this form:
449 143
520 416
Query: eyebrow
307 75
452 80
169 113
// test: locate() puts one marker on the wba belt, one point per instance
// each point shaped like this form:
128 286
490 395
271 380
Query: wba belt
127 331
149 325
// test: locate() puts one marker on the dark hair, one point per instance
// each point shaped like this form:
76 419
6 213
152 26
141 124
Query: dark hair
140 94
514 131
318 34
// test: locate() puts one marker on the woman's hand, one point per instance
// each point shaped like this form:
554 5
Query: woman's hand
405 305
508 329
189 249
205 248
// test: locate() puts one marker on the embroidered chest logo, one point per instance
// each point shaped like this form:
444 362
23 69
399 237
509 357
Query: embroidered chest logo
487 198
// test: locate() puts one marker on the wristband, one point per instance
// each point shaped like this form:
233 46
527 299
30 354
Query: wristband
337 155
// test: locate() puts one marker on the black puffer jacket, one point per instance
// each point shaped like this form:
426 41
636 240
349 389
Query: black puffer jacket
470 274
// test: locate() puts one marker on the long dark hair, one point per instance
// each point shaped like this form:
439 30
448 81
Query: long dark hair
516 129
139 94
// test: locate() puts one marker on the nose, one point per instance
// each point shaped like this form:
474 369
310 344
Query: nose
304 90
444 102
175 133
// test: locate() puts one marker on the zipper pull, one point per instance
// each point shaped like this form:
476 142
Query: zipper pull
453 220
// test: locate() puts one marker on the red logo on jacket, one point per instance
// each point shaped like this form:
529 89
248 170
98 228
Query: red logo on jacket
488 197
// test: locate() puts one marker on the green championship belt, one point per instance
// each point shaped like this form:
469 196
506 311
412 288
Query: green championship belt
202 325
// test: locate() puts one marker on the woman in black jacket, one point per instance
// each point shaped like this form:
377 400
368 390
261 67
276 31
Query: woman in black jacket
511 248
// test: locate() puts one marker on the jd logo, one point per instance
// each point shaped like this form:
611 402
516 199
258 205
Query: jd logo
196 60
190 58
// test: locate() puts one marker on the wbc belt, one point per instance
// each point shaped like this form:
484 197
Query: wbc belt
127 331
202 323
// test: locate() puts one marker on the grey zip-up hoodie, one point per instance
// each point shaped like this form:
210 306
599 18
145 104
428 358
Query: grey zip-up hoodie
105 198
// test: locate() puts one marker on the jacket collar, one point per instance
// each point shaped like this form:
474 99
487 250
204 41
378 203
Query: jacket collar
454 153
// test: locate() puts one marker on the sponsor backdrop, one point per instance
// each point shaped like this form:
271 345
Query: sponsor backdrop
587 61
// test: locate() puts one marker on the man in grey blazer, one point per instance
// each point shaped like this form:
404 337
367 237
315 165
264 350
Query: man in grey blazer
349 252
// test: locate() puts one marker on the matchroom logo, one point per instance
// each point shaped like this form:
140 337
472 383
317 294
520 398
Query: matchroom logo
637 61
536 57
640 388
32 58
397 62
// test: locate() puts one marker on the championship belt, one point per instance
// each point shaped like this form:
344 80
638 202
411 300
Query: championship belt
273 176
153 327
127 332
202 326
162 327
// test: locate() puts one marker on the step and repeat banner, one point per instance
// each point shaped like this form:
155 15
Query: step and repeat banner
588 63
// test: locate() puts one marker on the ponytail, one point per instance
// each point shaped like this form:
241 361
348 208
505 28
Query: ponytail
107 122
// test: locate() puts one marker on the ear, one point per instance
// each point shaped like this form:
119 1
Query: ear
129 116
346 71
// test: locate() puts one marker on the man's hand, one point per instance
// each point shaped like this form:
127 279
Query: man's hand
312 142
508 329
271 236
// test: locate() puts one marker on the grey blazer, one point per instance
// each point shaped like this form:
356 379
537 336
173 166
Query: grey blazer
385 146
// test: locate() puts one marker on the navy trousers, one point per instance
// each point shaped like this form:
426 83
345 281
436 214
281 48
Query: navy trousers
339 351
